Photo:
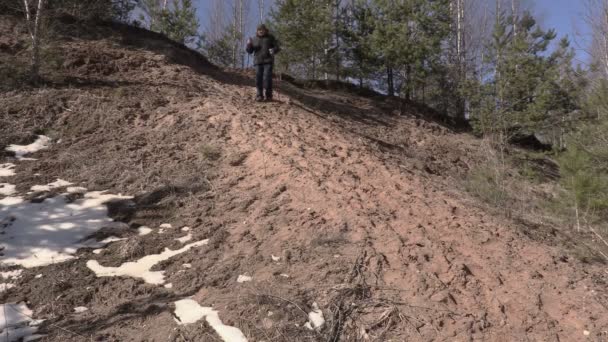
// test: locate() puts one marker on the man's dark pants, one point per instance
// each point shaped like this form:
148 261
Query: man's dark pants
263 79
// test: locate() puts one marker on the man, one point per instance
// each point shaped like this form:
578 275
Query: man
264 46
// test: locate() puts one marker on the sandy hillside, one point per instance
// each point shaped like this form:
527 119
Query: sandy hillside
322 217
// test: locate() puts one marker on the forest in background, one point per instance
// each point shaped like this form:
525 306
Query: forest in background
489 65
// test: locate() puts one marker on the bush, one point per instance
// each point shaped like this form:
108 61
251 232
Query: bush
584 168
119 10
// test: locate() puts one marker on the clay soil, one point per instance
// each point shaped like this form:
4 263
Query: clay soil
356 195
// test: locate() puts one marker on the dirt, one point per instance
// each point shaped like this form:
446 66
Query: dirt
357 197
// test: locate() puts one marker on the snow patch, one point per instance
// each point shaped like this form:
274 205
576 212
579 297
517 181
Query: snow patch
275 258
80 309
11 274
76 190
166 225
98 251
41 143
141 231
243 278
7 170
186 229
39 234
169 286
315 318
38 276
141 268
16 323
59 183
185 239
6 286
187 265
7 189
189 311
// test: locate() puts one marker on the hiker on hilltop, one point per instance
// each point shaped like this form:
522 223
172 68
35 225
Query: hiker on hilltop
264 46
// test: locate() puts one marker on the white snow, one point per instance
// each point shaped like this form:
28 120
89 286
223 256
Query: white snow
141 268
11 274
166 225
41 143
38 276
80 309
98 251
59 183
39 234
187 265
144 231
275 258
284 275
315 318
169 286
185 238
586 333
6 286
16 323
76 190
243 278
189 311
7 189
7 170
186 229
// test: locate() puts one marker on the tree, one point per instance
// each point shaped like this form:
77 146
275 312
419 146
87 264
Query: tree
240 10
305 29
180 22
408 36
34 22
524 89
177 19
359 60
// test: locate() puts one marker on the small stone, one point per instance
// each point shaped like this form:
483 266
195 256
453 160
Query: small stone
267 323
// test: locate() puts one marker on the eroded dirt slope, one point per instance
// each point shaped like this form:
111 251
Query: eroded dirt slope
357 205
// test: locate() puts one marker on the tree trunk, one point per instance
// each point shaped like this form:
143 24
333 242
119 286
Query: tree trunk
391 85
514 13
34 28
337 39
408 82
261 8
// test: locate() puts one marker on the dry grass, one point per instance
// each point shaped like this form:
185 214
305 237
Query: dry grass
523 189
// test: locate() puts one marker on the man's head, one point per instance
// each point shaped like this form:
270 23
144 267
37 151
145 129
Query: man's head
262 30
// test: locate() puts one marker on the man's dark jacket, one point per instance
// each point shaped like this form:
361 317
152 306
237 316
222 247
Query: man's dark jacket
260 47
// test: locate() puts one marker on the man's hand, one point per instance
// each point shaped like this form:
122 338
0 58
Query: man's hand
249 42
271 51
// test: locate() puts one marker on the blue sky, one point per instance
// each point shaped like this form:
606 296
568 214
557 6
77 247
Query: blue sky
567 17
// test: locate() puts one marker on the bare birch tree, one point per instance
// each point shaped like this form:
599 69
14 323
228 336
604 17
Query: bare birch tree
597 17
240 10
34 23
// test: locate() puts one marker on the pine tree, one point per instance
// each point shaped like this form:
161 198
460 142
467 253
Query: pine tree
177 20
408 37
524 87
359 60
305 29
